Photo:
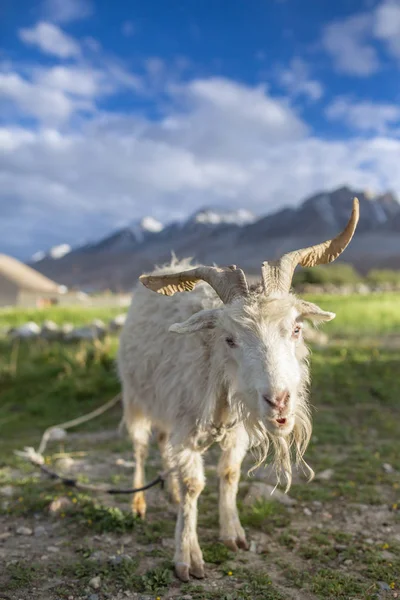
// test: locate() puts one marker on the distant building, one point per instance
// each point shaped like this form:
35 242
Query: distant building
21 285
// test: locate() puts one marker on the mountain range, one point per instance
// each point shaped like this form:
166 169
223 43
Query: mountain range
213 235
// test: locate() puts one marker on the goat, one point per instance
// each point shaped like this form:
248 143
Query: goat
240 379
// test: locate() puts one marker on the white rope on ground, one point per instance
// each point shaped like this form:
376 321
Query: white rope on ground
58 432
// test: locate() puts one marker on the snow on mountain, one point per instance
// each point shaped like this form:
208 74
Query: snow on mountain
55 252
212 216
59 251
40 255
151 224
143 226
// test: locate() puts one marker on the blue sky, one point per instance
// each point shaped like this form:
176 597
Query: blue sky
110 111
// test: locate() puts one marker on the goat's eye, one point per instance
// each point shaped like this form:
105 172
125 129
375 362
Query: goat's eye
296 331
231 342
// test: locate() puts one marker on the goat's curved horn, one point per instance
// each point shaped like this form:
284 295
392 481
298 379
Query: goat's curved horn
278 275
228 282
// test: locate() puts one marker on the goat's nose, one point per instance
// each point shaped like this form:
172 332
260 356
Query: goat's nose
278 400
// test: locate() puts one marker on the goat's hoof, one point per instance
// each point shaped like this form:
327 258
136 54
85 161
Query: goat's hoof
197 570
182 572
242 543
235 544
139 508
231 544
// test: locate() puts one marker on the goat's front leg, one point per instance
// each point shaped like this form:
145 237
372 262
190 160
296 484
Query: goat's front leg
234 449
188 555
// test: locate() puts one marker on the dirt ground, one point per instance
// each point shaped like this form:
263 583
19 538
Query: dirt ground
91 548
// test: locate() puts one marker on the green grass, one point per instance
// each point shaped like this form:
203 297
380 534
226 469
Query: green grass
358 316
42 384
77 315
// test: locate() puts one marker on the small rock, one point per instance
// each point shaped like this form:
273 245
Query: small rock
39 530
7 491
325 475
348 562
93 597
387 468
95 582
369 541
307 512
65 463
4 536
67 328
118 322
60 505
253 546
44 557
340 547
384 586
28 330
98 556
24 531
187 597
263 491
317 503
53 549
50 330
326 516
386 555
116 560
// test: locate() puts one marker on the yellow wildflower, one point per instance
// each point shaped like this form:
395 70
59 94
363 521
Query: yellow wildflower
230 573
385 546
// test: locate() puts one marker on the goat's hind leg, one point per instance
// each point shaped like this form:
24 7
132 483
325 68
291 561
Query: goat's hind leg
172 477
139 428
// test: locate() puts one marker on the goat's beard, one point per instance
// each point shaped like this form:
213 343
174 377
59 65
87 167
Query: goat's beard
286 449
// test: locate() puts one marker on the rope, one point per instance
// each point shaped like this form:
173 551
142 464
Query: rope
57 432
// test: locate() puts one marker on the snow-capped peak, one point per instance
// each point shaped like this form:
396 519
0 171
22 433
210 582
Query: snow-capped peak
59 251
151 224
146 225
212 216
55 252
40 255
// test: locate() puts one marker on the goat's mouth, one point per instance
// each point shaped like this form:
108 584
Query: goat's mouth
281 421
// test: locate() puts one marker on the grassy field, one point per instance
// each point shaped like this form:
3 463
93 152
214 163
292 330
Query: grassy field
340 540
357 316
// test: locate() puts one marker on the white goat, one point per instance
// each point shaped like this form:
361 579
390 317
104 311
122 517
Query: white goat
240 380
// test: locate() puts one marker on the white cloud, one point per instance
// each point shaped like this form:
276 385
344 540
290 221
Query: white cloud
50 39
47 104
353 42
65 11
220 142
365 116
81 81
297 81
387 25
348 43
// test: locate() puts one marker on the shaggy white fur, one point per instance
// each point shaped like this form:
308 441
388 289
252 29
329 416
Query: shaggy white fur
200 371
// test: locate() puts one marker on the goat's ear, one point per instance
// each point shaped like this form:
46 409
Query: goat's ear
314 313
205 319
